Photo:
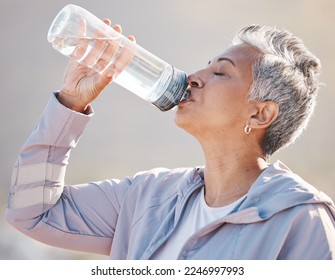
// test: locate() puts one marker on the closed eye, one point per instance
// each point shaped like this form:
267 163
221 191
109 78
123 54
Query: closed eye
219 74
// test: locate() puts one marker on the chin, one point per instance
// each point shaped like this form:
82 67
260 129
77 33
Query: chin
180 118
183 119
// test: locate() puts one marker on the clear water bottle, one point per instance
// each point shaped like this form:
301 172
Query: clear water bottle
78 34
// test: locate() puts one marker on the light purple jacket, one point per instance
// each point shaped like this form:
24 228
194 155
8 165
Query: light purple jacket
282 216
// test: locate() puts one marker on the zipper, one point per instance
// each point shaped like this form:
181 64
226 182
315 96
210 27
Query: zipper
177 216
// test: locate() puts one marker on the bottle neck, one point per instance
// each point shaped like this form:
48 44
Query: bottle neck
174 92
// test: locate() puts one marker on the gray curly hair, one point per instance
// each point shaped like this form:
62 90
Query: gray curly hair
287 74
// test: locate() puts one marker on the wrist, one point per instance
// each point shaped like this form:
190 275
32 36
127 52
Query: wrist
71 102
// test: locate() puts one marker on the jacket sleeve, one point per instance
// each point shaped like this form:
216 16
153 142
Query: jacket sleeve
81 217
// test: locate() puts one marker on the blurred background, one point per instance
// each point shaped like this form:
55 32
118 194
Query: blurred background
127 134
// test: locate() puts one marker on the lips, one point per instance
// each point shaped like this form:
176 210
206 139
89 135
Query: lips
186 97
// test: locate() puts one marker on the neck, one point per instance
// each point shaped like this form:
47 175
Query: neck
229 174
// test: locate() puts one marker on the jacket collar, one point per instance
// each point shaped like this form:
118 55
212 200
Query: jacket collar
276 189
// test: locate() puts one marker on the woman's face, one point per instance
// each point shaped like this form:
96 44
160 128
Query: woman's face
217 101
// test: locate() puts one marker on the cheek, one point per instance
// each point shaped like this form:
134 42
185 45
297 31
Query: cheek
226 109
228 96
218 102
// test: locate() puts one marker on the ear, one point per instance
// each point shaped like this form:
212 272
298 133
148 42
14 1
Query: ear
263 114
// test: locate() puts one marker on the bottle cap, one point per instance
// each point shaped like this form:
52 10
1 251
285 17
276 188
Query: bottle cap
174 92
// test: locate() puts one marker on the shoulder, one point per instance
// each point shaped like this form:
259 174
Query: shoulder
311 233
278 189
279 181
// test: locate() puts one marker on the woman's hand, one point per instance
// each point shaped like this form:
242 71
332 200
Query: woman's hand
81 84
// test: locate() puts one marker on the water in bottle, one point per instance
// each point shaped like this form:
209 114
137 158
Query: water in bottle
77 33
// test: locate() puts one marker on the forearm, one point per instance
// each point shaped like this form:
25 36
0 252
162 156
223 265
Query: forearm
38 175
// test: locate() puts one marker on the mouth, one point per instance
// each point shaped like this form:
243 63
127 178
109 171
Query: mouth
186 97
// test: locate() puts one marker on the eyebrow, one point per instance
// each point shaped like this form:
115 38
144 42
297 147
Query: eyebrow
224 59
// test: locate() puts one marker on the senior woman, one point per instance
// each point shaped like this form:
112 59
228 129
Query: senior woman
251 100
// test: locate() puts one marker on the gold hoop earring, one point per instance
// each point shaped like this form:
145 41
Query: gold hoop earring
247 129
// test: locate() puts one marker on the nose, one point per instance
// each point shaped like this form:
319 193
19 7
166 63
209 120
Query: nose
195 81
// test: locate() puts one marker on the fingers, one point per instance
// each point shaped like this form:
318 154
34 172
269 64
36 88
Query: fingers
102 49
112 54
104 55
117 28
81 42
132 38
109 51
97 47
122 58
107 21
